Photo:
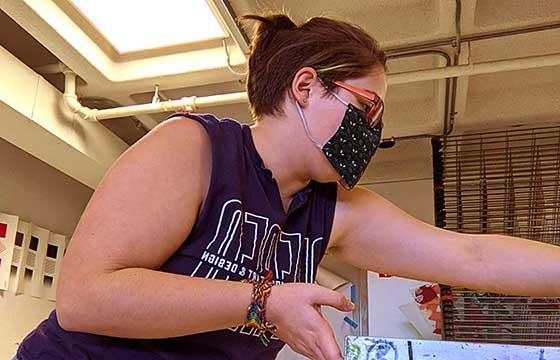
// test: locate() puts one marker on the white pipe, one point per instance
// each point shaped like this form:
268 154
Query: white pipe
223 99
71 100
193 103
530 62
186 104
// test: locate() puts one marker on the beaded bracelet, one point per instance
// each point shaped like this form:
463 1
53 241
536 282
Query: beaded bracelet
256 312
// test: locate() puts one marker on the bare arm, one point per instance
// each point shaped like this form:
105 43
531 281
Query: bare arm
372 233
141 212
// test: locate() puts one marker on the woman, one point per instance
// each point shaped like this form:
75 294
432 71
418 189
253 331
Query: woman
155 265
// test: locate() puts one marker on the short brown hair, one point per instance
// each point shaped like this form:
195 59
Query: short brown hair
337 50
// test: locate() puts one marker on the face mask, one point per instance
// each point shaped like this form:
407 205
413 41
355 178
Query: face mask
351 148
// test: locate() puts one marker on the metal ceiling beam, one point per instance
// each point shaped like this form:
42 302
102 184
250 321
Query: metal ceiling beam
529 62
450 41
226 12
462 88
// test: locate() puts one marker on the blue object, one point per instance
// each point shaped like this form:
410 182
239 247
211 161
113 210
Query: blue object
350 322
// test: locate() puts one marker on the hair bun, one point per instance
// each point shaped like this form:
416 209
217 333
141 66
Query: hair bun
269 26
281 22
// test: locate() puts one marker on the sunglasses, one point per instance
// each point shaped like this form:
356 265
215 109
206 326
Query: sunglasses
374 104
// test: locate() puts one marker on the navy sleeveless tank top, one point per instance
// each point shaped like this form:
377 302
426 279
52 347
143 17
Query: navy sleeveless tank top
242 230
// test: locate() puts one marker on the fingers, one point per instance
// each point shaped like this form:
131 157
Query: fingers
328 345
324 296
311 351
318 353
332 354
313 338
319 344
321 351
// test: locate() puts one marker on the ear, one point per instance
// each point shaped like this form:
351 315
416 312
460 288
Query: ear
302 85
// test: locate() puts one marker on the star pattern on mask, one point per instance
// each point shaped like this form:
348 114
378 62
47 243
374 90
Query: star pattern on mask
351 148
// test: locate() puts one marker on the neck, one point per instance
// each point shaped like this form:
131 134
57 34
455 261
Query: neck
287 165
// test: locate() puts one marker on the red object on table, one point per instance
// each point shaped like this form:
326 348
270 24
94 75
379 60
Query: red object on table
3 230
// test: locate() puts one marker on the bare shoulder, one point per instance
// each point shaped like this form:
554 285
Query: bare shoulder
180 128
151 195
176 150
355 194
350 205
181 145
348 201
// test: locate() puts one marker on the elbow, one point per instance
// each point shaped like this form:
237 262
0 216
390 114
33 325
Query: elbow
77 306
69 308
66 314
64 321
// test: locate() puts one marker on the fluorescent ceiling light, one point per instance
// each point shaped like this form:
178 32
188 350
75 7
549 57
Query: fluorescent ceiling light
132 25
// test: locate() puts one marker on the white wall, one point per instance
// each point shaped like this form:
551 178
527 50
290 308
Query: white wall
38 193
50 199
19 314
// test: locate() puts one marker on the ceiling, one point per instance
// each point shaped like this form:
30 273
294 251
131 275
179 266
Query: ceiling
33 31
